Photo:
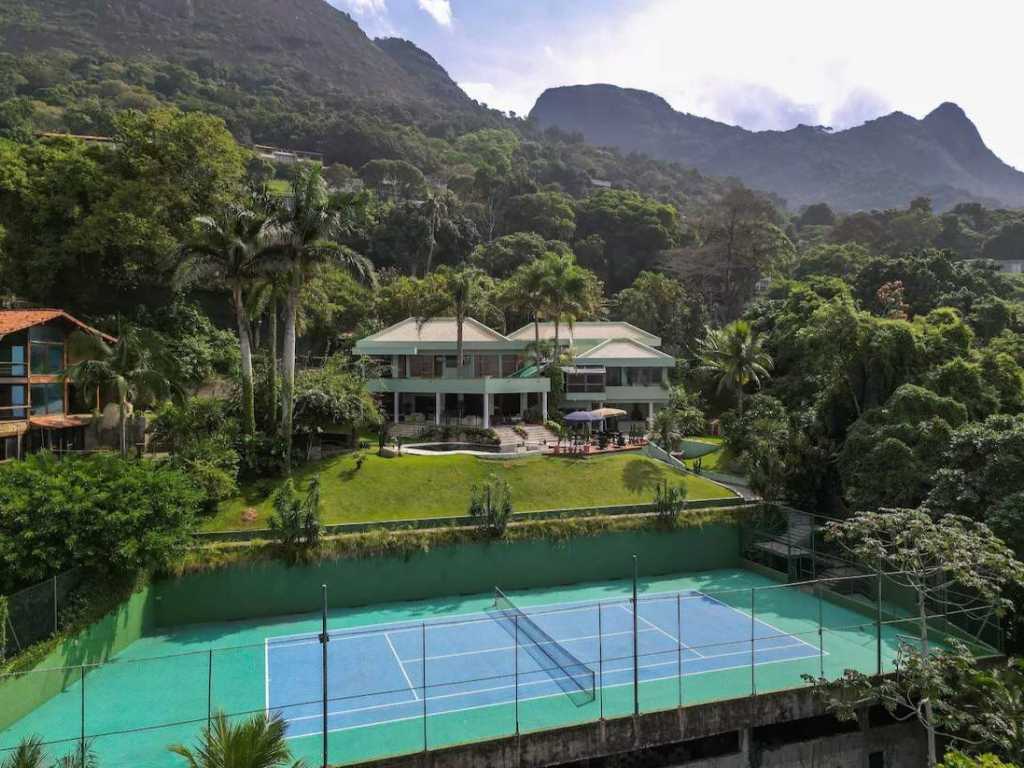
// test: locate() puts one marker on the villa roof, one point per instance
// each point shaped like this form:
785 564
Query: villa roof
434 330
589 330
14 320
626 350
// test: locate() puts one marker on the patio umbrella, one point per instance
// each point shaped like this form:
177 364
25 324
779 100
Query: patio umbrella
609 413
582 417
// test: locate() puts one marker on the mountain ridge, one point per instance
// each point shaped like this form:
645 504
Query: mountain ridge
884 163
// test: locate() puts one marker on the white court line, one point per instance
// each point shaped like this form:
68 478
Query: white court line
419 659
401 666
501 703
675 640
746 614
549 679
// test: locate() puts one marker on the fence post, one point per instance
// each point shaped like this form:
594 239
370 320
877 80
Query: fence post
878 624
82 732
324 640
600 662
209 689
679 644
55 604
636 649
753 649
821 631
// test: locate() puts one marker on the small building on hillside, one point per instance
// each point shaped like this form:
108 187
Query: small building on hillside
38 407
615 364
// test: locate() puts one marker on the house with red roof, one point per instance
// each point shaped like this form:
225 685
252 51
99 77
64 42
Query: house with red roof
38 407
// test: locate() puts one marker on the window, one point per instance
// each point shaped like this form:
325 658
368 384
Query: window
12 402
487 365
49 333
876 760
510 364
12 355
47 399
46 359
614 377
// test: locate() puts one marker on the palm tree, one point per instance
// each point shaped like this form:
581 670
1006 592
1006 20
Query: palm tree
461 292
258 742
569 290
28 754
524 291
305 236
135 367
227 250
735 354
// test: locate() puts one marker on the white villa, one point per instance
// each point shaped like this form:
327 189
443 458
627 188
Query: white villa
615 364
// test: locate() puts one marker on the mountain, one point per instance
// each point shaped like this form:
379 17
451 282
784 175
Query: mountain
884 163
307 43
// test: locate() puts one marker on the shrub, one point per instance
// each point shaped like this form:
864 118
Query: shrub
296 519
669 501
448 433
100 512
490 504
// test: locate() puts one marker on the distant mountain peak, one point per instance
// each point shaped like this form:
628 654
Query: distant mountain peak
884 163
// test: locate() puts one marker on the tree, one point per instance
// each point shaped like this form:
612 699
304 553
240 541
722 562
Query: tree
950 564
735 355
503 256
462 292
661 305
332 396
669 501
490 504
304 237
570 292
551 215
258 742
135 368
666 428
227 250
296 519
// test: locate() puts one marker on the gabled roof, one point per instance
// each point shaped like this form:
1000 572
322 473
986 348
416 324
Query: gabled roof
626 351
14 320
588 330
434 330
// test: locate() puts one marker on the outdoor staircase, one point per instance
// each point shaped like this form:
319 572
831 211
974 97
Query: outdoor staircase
536 435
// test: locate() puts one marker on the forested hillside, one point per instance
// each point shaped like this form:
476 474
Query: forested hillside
884 163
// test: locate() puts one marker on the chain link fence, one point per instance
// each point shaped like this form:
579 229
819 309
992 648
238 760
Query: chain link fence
36 613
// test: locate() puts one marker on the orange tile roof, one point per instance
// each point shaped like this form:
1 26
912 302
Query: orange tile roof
12 320
60 422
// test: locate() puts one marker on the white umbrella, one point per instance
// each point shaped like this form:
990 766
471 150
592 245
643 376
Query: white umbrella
609 413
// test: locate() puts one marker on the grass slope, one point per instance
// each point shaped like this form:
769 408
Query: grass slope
439 486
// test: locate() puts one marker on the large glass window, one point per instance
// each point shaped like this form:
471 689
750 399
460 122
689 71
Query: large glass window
47 399
13 355
13 399
51 333
614 377
487 365
47 358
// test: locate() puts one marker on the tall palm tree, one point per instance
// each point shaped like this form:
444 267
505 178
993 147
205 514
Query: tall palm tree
258 742
28 754
135 367
227 250
735 354
569 290
305 236
461 292
524 291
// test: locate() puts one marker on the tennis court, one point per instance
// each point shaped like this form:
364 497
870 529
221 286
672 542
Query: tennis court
495 657
424 675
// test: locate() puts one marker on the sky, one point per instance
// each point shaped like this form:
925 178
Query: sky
761 65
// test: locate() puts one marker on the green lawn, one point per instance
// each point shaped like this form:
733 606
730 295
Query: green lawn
439 486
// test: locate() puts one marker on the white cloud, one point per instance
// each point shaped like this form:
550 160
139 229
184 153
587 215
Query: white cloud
766 65
439 10
368 7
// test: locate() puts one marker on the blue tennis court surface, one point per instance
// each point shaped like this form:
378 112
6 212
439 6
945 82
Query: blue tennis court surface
389 673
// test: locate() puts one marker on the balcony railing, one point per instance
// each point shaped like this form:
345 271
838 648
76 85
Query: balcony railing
13 412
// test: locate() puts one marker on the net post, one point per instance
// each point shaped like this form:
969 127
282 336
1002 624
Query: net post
679 643
636 651
515 667
753 646
55 604
821 631
423 644
209 688
324 640
600 663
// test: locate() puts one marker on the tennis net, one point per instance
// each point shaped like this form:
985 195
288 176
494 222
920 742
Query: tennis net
574 677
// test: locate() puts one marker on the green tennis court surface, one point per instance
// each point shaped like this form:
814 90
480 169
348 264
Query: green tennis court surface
431 674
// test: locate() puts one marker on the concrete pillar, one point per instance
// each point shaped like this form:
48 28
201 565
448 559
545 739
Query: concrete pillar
650 414
544 405
396 407
487 410
395 373
438 405
523 403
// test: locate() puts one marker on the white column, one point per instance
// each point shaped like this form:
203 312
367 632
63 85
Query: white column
523 403
544 405
650 414
396 407
438 401
395 373
487 411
